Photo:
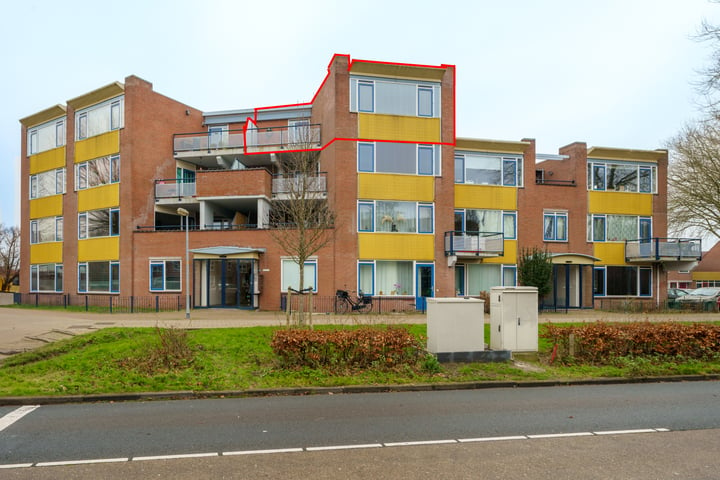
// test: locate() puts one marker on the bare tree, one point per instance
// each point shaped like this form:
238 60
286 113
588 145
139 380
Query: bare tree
302 221
9 256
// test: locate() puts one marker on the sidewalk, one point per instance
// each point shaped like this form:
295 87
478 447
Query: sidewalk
23 329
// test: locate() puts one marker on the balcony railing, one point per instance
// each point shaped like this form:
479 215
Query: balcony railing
664 249
299 184
287 137
478 244
173 188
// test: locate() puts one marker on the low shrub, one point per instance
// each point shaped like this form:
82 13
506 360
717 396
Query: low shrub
379 348
602 343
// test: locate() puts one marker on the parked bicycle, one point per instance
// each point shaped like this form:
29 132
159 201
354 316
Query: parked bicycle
344 303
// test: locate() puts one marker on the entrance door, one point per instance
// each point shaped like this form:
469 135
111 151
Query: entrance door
229 283
424 284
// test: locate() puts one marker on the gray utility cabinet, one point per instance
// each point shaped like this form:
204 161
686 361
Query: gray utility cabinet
514 319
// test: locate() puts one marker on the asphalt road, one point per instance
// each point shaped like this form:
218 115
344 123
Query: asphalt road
136 431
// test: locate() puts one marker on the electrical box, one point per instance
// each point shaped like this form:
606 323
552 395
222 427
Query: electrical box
455 325
514 319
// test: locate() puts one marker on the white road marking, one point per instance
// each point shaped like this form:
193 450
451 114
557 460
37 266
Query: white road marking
492 439
625 432
562 435
17 465
16 415
426 442
258 452
81 462
344 447
175 457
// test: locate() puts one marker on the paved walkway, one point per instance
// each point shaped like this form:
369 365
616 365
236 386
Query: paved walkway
23 329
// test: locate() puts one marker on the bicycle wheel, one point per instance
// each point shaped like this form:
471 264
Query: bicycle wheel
365 308
341 305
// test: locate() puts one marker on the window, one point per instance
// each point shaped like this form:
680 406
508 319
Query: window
394 278
487 221
509 225
291 275
394 97
99 223
46 136
509 273
622 177
481 278
47 183
555 227
366 278
622 281
98 119
390 216
488 170
165 275
393 157
618 228
48 229
97 172
99 277
46 278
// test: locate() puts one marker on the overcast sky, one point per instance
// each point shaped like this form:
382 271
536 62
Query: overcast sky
615 73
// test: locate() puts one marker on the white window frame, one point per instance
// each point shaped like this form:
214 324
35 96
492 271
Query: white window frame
82 120
57 128
113 223
435 162
82 178
555 215
35 277
288 261
58 179
163 263
517 159
113 267
418 206
594 164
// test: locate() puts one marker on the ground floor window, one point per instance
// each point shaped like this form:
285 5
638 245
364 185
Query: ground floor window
291 275
473 278
396 277
622 281
99 277
165 275
681 284
707 283
46 278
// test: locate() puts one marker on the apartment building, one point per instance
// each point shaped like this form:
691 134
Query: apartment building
117 180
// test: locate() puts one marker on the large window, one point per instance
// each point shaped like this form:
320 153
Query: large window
390 216
555 226
99 118
48 229
47 183
622 281
165 275
99 171
617 228
386 277
291 275
99 277
46 278
622 177
46 136
99 223
481 278
395 97
487 221
390 157
480 169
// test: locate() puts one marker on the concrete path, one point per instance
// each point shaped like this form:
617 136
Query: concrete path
23 329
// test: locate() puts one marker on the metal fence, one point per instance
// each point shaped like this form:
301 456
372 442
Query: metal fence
326 304
105 303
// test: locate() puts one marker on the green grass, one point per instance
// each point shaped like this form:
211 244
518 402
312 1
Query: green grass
112 361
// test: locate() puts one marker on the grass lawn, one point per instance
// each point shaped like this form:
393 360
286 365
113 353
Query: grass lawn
118 360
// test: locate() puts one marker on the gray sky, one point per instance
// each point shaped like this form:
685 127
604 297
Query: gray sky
615 73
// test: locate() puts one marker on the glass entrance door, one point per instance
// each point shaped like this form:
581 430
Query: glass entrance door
229 283
424 284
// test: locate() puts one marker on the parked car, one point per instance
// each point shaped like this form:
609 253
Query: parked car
674 293
705 298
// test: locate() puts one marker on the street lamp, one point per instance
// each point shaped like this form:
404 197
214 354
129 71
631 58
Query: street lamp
184 213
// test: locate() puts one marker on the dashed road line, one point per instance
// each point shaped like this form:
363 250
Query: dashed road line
16 415
331 447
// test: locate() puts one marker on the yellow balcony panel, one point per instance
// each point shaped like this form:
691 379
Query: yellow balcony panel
97 146
508 257
99 197
398 128
609 253
485 196
620 203
46 253
396 246
380 186
47 160
704 276
99 249
51 206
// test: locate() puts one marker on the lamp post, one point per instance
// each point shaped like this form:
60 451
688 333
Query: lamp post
184 213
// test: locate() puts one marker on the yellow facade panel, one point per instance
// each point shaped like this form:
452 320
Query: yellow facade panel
398 128
379 186
486 197
620 203
395 246
98 249
46 253
47 160
99 197
97 146
508 257
705 276
610 253
51 206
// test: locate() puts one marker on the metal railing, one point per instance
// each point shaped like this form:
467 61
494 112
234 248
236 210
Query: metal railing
301 136
474 243
105 303
298 183
687 249
172 187
197 141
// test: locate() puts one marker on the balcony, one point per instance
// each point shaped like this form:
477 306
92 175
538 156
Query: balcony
294 186
674 253
174 188
474 244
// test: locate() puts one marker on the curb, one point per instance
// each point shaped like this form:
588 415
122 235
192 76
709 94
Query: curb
350 389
